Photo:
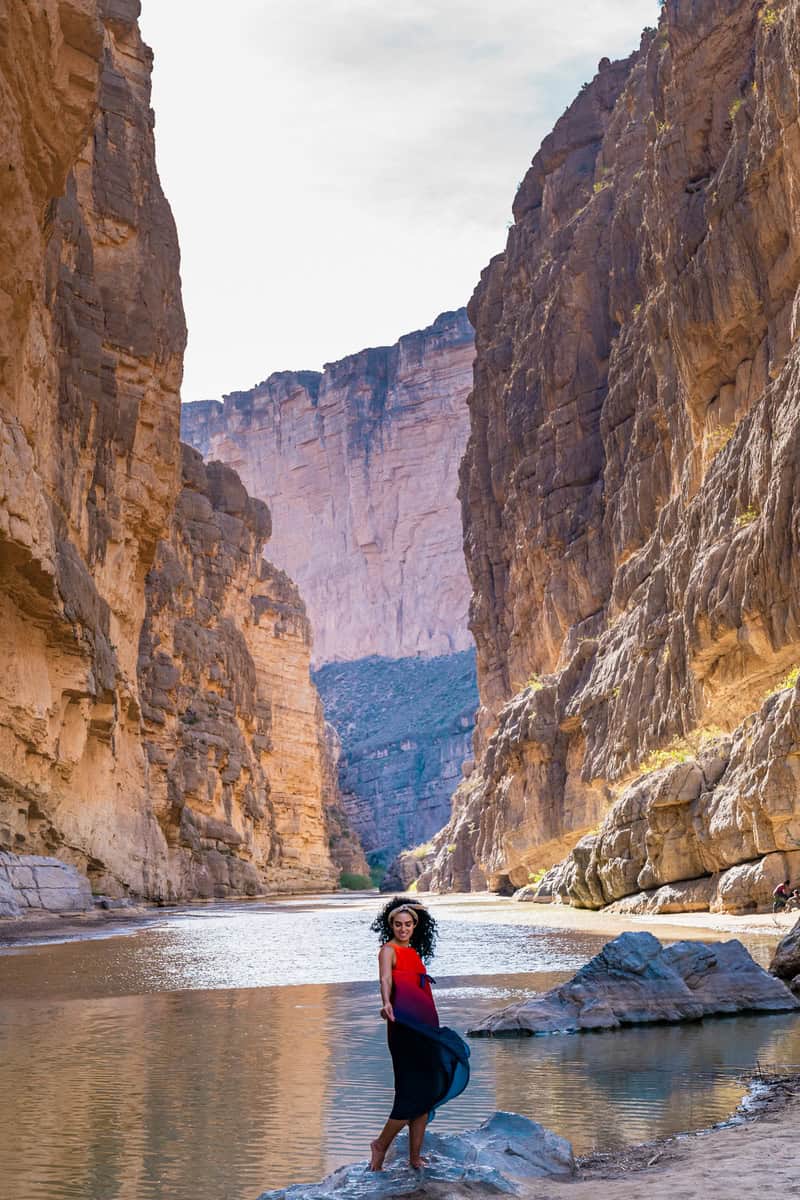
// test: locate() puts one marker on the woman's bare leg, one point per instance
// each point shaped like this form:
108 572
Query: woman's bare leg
382 1143
416 1134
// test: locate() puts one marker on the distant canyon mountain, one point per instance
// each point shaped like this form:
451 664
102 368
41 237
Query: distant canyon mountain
359 465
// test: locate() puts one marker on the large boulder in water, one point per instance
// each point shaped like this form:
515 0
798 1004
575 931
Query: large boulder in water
494 1160
786 959
634 980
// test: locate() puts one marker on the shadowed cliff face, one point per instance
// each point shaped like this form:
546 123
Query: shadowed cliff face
359 467
91 342
630 491
405 727
232 722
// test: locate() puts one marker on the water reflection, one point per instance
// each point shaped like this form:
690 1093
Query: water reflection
262 945
210 1095
122 1077
181 1095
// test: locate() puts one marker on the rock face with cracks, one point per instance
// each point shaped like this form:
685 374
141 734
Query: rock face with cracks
630 490
786 959
94 767
503 1155
232 723
35 883
359 466
405 727
634 980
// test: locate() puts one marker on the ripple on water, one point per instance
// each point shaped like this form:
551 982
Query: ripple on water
173 1064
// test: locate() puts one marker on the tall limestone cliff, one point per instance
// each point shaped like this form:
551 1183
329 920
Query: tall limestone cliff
91 343
359 466
630 492
232 725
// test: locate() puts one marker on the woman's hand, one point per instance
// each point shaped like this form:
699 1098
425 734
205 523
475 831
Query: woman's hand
385 962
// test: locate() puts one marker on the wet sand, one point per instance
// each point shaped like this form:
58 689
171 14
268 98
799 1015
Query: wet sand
97 923
757 1158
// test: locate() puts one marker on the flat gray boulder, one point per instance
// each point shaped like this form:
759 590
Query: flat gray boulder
33 883
494 1160
634 980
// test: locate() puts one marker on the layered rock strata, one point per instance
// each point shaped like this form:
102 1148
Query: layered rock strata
405 727
232 722
91 343
359 466
630 488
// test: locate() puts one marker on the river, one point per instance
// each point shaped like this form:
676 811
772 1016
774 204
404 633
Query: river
222 1050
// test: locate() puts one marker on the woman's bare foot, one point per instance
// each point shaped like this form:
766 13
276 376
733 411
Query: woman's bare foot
377 1155
417 1163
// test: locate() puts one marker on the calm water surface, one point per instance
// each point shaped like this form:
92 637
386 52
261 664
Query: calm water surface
226 1050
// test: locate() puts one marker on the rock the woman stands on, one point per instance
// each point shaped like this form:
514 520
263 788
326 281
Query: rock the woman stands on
431 1062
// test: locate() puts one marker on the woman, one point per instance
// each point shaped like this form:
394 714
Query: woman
431 1063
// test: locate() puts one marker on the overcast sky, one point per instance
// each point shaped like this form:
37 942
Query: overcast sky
341 170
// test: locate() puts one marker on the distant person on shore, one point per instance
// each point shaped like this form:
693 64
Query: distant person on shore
431 1063
782 895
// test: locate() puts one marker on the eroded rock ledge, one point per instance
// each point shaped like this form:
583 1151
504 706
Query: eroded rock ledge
158 727
630 489
718 830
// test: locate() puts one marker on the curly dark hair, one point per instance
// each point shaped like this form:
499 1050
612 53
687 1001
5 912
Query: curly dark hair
423 939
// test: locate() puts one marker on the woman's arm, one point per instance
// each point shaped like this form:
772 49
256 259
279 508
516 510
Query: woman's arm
385 963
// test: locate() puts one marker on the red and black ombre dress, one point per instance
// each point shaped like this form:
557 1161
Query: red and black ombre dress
431 1062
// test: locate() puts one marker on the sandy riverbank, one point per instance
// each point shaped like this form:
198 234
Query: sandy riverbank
497 909
756 1158
476 906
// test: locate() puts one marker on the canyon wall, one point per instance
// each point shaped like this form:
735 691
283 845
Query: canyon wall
405 727
232 723
91 341
630 492
359 466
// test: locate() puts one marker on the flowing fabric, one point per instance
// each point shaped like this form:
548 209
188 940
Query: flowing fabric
431 1062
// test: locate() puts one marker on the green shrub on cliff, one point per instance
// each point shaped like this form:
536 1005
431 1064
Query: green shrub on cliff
787 682
355 883
747 517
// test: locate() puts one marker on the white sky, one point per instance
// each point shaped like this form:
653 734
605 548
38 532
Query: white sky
341 170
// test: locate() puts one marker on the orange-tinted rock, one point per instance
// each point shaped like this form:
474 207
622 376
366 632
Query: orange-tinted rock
94 336
91 342
359 466
231 718
630 489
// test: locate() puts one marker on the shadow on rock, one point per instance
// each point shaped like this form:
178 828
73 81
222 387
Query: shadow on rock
504 1152
634 980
